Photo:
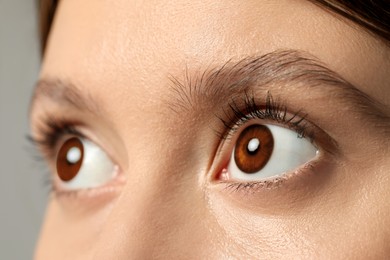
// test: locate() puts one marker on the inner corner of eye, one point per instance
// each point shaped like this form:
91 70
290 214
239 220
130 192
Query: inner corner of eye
223 175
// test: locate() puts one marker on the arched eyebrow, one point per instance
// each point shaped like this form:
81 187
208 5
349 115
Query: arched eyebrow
275 70
64 93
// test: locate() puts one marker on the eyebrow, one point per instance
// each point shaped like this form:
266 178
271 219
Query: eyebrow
64 93
278 69
275 70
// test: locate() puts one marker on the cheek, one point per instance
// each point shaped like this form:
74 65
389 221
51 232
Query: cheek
347 215
69 225
260 235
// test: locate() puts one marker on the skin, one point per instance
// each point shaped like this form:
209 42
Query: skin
167 201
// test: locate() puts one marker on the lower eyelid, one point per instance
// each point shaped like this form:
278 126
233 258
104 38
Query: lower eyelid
110 188
297 189
87 201
270 183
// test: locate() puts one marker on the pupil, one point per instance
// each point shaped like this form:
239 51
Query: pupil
253 146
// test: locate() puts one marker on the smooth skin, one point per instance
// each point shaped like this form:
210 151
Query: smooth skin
166 202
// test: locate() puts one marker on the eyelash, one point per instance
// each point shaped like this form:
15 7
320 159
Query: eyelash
236 115
51 131
248 187
239 113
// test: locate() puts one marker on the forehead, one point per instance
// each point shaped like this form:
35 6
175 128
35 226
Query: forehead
106 43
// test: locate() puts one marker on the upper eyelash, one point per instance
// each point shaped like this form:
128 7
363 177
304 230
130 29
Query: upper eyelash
237 115
50 132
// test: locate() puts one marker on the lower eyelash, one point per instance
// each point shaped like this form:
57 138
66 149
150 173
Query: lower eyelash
275 183
251 186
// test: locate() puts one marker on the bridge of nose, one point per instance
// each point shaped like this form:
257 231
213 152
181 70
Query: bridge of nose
163 205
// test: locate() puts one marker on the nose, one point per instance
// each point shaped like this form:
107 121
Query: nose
161 212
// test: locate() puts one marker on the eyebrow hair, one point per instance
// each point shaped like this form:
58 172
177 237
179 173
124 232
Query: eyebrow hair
64 93
279 69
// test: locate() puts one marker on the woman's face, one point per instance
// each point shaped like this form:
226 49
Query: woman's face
221 129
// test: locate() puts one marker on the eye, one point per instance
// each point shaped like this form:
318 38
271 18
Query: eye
81 164
268 151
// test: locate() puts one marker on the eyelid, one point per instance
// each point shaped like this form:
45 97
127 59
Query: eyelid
50 136
246 188
248 111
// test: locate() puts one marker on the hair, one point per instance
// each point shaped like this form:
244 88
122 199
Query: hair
373 16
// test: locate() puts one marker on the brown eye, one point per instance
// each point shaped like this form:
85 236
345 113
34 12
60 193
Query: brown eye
81 164
264 152
69 159
253 148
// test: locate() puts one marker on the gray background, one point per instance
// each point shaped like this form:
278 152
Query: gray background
22 190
